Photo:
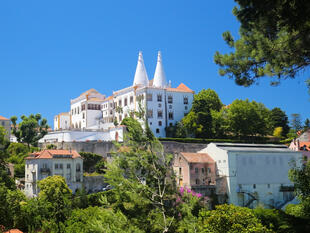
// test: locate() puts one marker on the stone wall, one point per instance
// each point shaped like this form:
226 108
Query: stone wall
103 148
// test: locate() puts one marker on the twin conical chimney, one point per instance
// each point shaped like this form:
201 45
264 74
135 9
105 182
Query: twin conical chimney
159 76
141 77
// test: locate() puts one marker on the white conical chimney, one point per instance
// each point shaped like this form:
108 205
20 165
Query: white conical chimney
140 75
159 76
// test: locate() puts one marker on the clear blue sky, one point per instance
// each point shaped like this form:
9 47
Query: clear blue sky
51 51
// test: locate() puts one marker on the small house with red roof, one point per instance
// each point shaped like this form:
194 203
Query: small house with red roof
66 163
195 171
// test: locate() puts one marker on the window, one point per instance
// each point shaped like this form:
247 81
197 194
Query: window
78 110
72 112
27 176
131 99
120 103
83 107
209 170
68 165
170 99
60 166
159 98
78 178
202 170
196 170
191 166
159 123
254 186
149 97
150 113
111 104
125 102
111 112
268 185
157 130
185 107
159 105
170 115
160 114
180 170
78 167
83 115
170 124
197 181
185 100
170 106
150 122
56 165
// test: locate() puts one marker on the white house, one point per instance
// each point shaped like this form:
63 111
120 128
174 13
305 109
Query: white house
62 121
66 163
163 105
254 174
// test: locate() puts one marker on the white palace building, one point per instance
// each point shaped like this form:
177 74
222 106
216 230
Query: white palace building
92 115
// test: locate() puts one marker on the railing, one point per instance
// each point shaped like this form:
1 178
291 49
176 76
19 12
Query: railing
45 170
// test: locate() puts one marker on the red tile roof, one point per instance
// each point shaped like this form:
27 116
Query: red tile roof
181 88
92 90
197 157
50 154
302 144
3 118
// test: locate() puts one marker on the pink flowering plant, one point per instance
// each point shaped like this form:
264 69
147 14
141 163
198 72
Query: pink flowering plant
188 204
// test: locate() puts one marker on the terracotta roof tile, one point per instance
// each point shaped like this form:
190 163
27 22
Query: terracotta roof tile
49 154
197 157
109 98
181 88
92 90
3 118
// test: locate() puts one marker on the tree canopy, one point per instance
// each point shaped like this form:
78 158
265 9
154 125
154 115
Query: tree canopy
274 41
30 130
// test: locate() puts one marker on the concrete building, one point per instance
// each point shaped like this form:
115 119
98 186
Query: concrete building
66 163
62 121
253 174
6 124
163 105
195 171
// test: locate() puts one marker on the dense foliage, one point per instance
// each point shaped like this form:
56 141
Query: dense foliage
241 120
274 41
30 130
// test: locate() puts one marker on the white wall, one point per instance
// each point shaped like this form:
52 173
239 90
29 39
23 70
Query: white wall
33 173
261 173
82 136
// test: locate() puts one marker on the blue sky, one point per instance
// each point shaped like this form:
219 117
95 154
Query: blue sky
51 51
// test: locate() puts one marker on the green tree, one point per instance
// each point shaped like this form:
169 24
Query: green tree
307 124
198 122
279 119
30 130
205 101
300 176
274 41
230 219
90 160
245 118
296 122
141 189
56 195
